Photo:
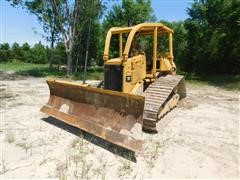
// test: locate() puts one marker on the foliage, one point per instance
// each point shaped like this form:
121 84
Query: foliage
208 42
59 54
44 13
38 54
4 52
179 42
42 70
16 52
57 16
213 37
130 13
19 66
228 82
90 13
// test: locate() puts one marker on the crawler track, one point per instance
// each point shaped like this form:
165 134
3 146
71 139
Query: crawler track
157 96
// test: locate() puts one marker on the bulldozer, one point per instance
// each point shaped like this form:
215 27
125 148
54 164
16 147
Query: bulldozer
140 87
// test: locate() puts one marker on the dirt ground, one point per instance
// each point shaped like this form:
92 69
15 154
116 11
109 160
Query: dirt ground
198 139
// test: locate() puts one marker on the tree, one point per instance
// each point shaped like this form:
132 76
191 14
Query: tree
65 14
59 54
5 46
67 19
213 37
4 52
26 50
38 54
16 52
26 47
130 13
179 42
88 30
44 13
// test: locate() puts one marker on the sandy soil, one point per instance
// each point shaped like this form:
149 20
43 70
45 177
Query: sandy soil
198 139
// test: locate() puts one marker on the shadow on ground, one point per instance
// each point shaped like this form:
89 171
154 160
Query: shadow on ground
127 154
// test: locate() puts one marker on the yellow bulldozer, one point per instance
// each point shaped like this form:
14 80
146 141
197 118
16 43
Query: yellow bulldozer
140 87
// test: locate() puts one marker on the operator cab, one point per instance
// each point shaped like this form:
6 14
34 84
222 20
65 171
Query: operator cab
136 54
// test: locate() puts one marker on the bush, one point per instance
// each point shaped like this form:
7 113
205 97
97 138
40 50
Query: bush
59 54
4 52
4 55
38 54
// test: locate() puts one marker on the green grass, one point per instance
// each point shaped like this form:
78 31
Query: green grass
42 70
20 66
29 69
227 82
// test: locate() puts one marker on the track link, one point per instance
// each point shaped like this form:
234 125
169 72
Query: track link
157 96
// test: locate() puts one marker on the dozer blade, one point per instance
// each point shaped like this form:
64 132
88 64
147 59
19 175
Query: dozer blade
113 116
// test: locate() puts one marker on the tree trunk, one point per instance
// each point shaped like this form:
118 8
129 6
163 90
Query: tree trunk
69 63
76 65
77 61
87 48
51 55
51 48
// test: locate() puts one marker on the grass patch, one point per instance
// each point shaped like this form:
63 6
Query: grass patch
42 70
10 138
228 82
29 69
93 73
20 66
90 75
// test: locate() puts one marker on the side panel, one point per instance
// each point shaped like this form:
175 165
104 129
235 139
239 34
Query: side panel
134 72
113 77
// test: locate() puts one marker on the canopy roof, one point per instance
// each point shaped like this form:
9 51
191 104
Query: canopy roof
143 28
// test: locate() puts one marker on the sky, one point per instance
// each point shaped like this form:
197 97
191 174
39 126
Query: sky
17 25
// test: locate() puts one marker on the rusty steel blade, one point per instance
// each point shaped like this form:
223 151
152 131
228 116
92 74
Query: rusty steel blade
113 116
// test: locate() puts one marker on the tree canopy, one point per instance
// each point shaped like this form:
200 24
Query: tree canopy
207 42
213 37
129 13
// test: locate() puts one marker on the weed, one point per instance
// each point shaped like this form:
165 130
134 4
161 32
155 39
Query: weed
44 155
3 167
61 169
55 137
10 138
26 146
80 151
151 155
124 169
24 137
101 170
43 161
41 129
42 142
